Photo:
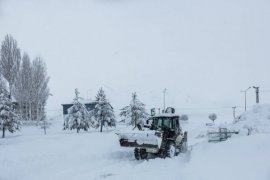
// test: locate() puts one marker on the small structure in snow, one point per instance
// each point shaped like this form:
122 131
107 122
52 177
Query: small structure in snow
89 104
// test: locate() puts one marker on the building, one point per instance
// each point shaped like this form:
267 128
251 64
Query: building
90 105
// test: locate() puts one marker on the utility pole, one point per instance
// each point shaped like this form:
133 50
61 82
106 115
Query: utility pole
234 112
77 94
164 99
257 93
245 91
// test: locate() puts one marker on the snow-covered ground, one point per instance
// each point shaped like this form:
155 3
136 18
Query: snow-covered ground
30 155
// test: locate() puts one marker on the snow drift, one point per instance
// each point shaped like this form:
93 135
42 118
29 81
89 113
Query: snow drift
256 120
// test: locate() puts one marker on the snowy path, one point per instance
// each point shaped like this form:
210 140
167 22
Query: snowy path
71 156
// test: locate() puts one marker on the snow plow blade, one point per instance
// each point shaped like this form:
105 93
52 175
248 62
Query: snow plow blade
139 140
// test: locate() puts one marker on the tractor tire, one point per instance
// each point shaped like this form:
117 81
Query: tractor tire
143 154
137 153
170 150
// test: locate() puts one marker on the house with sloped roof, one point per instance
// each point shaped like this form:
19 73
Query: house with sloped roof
89 104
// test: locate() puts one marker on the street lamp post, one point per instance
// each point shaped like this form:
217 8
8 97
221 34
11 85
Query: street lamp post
245 91
234 112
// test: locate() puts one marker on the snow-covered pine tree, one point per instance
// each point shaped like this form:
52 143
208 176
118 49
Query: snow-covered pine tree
78 117
134 114
9 120
103 112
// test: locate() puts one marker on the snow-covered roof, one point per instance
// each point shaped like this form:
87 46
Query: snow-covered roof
83 101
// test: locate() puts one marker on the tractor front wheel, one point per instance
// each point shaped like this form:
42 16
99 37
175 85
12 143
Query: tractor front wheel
170 149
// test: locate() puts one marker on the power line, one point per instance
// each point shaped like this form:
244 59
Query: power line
265 91
204 108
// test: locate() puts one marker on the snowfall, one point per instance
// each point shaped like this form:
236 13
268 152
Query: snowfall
31 155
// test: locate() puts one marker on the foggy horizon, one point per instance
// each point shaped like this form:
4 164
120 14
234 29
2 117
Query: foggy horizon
202 53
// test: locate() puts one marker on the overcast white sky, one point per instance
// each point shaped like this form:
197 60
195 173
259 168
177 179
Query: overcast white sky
203 51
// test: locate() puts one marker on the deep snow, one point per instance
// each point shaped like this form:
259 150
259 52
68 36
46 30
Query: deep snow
30 155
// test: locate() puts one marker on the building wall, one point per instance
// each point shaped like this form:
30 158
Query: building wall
89 107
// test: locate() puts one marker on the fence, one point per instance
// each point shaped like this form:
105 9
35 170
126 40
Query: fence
222 135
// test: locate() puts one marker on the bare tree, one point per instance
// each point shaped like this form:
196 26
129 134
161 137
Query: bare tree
3 84
23 87
28 81
40 90
31 88
10 60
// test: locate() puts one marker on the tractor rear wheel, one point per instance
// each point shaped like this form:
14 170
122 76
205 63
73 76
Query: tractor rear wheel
137 153
143 154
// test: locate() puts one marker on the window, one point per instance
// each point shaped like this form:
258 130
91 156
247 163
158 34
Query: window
161 122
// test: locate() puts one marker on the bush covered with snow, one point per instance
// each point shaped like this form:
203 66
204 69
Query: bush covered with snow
212 117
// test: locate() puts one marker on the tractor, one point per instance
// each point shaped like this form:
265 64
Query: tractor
163 137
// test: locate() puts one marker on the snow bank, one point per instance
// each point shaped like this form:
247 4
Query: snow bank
256 120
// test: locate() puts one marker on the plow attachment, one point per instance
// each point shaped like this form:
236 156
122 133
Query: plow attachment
140 140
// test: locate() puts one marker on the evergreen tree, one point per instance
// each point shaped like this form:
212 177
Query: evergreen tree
103 111
9 120
134 114
78 117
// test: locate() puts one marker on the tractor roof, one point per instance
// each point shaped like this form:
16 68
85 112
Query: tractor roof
166 115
